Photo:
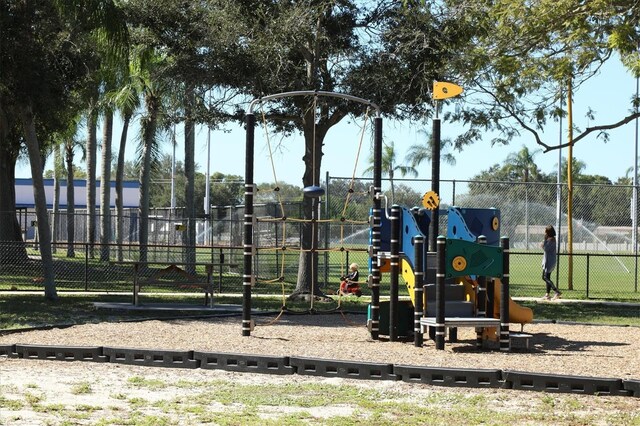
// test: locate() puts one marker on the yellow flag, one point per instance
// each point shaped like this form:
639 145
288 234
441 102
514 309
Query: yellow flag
443 90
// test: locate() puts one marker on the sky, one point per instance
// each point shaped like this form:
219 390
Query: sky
608 95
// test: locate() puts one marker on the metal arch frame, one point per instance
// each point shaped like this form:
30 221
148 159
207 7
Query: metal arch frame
249 217
313 93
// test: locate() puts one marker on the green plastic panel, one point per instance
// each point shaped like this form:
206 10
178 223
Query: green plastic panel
467 258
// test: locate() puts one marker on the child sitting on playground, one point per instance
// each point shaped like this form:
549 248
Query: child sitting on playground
349 284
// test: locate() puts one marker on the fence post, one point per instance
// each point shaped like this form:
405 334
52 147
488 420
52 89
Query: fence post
453 195
587 275
220 271
86 267
327 230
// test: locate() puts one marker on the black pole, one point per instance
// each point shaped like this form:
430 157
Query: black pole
220 271
440 273
481 299
505 343
435 182
247 278
587 275
326 234
394 262
491 294
375 229
418 297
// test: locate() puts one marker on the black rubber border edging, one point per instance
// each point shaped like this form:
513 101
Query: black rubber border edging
246 363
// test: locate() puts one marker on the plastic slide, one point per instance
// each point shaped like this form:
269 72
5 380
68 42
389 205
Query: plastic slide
517 313
409 278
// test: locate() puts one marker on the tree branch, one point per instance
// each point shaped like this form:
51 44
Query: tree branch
548 147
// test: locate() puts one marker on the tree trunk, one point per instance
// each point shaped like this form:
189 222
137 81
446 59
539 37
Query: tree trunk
189 171
71 208
308 262
33 147
92 125
55 225
149 125
12 248
105 187
119 186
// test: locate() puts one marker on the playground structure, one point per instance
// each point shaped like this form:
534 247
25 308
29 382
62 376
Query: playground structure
401 235
464 284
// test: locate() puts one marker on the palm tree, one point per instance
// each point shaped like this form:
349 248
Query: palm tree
419 153
91 147
152 90
127 101
105 183
522 164
390 166
58 168
70 145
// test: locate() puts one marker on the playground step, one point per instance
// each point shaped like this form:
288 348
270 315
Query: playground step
451 292
520 340
452 309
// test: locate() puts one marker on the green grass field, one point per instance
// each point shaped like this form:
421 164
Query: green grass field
594 276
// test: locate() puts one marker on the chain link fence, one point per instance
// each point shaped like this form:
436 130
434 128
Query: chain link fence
603 262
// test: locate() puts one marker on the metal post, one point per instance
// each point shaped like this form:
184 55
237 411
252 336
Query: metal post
327 229
453 195
86 267
247 278
220 271
435 180
587 275
136 285
418 294
207 190
173 171
570 187
440 273
394 262
634 207
505 342
375 229
559 198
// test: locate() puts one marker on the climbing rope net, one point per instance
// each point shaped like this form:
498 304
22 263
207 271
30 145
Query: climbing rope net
278 237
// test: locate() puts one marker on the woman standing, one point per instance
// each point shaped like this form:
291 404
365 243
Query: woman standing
549 261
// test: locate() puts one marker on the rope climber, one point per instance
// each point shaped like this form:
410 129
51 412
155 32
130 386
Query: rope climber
289 244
